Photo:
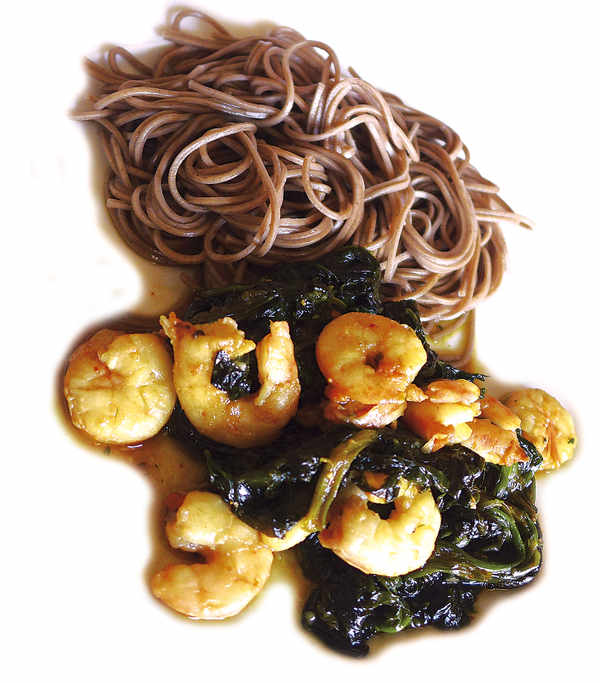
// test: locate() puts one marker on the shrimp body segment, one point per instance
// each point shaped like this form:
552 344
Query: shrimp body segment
205 521
444 417
388 547
368 361
235 567
253 420
502 416
361 415
219 588
546 424
368 358
119 387
494 443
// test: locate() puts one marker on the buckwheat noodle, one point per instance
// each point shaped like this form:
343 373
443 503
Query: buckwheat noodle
228 153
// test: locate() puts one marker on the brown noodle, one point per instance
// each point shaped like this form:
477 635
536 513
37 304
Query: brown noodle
230 152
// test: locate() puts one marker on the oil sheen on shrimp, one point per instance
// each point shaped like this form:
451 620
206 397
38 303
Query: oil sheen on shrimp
443 417
234 568
368 361
253 420
119 387
389 547
546 423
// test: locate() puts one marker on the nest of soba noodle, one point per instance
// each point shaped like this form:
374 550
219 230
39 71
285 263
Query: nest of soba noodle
228 153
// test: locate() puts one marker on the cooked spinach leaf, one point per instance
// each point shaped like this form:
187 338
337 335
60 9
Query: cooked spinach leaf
484 542
237 376
489 537
348 607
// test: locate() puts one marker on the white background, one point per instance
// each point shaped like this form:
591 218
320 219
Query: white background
518 81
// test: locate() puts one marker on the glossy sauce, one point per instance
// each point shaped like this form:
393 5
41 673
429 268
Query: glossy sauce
170 468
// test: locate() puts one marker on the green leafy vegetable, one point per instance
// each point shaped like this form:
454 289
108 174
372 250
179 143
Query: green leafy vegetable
237 376
484 542
489 536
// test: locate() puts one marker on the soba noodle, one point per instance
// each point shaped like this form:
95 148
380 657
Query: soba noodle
233 152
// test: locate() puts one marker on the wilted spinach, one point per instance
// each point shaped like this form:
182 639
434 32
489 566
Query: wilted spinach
484 542
489 536
306 295
303 294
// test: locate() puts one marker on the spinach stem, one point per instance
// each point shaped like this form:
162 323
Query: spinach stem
336 466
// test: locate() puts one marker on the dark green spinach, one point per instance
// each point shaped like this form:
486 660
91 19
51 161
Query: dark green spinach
489 537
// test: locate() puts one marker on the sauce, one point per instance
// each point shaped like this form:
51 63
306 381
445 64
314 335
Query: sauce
170 468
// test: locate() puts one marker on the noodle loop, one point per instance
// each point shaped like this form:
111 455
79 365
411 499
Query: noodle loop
264 149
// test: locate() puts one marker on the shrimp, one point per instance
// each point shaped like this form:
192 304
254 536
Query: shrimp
546 424
499 414
389 547
452 391
444 417
493 443
204 521
119 387
493 434
253 420
235 568
368 361
379 415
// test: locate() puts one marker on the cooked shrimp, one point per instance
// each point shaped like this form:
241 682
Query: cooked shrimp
250 421
415 394
235 567
499 414
368 358
546 424
493 443
389 547
204 521
443 418
219 588
361 415
493 434
452 391
368 361
119 387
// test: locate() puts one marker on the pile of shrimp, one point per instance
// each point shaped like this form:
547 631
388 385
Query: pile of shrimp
122 388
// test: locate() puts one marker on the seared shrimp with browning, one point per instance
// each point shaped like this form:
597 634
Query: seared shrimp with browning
453 413
368 361
443 417
253 420
493 434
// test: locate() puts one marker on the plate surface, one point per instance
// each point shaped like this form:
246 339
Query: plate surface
515 83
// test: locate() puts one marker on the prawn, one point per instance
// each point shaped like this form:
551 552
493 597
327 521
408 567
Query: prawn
443 417
253 420
388 547
360 415
235 565
546 424
493 434
493 443
119 387
368 361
